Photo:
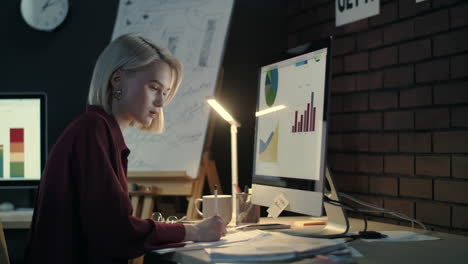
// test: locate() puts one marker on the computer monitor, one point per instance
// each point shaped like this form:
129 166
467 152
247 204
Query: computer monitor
23 138
290 144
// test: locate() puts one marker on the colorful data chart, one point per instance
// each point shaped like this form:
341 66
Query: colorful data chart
17 153
271 86
269 148
306 121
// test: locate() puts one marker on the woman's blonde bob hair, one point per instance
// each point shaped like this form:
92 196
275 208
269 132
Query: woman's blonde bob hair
130 52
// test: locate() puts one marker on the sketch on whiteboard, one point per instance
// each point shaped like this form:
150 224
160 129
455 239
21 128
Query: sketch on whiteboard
195 32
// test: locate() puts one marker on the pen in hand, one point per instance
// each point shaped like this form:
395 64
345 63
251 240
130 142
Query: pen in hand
216 199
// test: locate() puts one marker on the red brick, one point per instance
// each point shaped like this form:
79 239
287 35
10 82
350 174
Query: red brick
440 3
415 50
352 183
343 162
399 120
383 100
416 97
336 103
460 167
452 93
460 216
369 81
321 13
451 142
398 32
458 16
353 122
433 166
419 188
401 206
451 191
436 70
356 62
370 39
384 57
349 142
411 8
433 213
344 45
383 185
432 118
378 201
458 66
299 21
371 121
359 25
369 163
415 142
383 142
399 77
450 43
338 66
356 102
311 4
460 116
317 32
431 23
346 83
388 13
399 164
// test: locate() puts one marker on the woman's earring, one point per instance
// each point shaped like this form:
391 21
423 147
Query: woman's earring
118 93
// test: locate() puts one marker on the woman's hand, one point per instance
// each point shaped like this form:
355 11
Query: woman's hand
210 229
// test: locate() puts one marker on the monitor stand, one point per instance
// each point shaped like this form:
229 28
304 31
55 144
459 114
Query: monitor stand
337 222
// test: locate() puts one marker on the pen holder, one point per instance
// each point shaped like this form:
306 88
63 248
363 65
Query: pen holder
247 212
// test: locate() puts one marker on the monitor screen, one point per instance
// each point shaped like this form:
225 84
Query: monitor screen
290 142
23 138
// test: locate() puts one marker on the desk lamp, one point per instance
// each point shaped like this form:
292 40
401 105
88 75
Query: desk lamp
234 178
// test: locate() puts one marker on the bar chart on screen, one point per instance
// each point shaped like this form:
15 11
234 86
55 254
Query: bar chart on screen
20 139
304 120
17 152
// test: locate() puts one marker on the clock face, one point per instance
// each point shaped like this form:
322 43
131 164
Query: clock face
44 14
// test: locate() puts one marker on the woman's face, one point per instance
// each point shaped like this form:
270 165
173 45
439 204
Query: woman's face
144 91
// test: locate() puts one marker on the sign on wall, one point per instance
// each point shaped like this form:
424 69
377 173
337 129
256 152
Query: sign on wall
347 11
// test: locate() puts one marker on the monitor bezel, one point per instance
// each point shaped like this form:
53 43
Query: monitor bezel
290 54
43 128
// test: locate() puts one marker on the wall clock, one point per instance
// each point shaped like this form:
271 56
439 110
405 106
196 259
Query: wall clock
44 15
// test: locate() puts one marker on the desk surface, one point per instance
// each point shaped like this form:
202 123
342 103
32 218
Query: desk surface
449 249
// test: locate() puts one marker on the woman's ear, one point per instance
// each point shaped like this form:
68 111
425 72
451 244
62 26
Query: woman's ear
115 78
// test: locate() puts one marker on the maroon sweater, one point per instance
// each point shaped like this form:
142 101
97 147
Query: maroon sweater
83 213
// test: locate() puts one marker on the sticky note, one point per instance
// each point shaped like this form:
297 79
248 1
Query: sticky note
279 204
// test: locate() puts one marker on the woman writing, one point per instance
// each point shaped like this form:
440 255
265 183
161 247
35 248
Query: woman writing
83 213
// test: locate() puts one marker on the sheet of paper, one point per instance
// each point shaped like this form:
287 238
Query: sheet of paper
230 238
275 246
401 236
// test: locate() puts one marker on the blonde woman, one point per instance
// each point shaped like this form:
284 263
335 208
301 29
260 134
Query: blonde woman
83 213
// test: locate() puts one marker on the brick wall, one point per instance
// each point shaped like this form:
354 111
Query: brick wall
399 122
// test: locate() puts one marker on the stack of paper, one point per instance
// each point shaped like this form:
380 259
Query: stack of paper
274 247
231 238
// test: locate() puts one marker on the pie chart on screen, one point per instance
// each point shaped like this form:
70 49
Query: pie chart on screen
271 86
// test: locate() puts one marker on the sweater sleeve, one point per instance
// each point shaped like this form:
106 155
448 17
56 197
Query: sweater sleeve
105 210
